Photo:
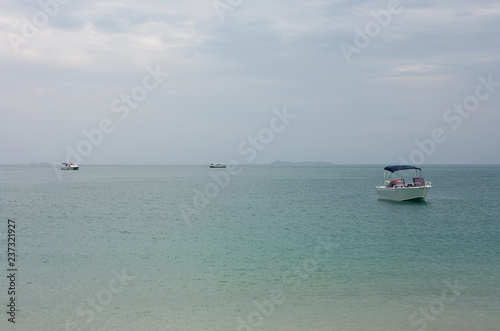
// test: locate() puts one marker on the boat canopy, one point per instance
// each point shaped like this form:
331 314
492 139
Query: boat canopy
400 167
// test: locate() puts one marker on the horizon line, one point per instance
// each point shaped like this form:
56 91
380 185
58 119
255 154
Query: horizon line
325 163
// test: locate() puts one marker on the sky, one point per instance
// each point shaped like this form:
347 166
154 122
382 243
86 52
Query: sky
203 81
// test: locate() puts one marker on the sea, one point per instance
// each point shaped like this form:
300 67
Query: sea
249 247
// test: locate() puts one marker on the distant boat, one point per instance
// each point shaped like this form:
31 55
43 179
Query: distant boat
217 165
398 190
70 166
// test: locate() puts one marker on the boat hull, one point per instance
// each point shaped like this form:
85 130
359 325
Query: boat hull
69 168
402 193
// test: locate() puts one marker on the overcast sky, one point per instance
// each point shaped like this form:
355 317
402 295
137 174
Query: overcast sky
202 81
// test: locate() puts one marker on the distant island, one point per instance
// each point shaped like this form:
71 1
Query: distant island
302 164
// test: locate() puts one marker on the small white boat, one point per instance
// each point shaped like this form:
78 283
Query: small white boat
70 166
399 190
217 165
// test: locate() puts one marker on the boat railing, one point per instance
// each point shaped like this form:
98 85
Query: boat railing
418 181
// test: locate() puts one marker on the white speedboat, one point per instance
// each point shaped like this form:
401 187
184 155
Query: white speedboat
400 189
217 165
70 166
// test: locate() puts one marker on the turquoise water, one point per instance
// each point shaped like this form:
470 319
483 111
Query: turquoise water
269 248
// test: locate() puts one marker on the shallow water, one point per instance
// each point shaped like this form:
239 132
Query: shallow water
269 248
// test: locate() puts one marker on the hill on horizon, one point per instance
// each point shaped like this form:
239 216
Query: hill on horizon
305 163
